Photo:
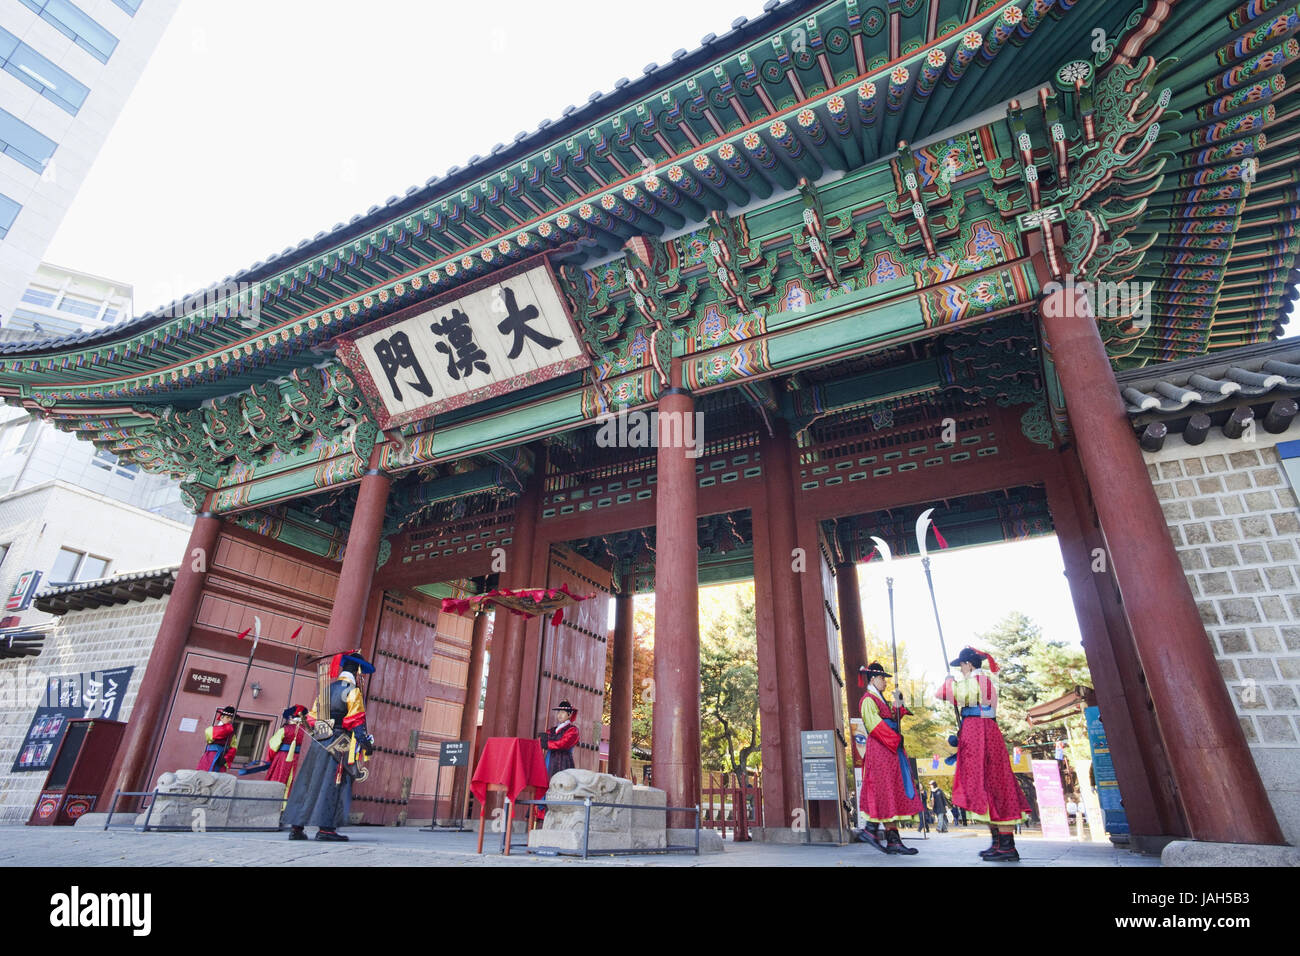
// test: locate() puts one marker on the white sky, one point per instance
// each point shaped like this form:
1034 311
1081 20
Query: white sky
974 588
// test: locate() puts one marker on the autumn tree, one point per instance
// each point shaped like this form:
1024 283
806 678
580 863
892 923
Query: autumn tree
729 723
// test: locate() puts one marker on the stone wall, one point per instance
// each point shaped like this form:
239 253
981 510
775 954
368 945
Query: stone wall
1233 517
90 640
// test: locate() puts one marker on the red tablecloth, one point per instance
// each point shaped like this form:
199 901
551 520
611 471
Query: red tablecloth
512 762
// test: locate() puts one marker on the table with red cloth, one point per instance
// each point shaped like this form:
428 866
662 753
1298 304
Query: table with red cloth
512 765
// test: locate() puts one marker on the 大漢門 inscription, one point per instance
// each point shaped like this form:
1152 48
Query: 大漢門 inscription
498 335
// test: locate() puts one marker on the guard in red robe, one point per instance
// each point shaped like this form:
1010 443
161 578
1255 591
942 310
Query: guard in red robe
889 790
983 783
558 742
285 749
220 748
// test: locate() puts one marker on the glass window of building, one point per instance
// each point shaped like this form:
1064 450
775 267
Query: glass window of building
16 436
38 296
130 6
71 566
73 22
65 566
8 213
85 308
92 568
24 144
55 84
4 552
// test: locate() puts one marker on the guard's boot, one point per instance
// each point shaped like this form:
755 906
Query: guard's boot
894 844
331 836
873 836
1006 851
295 833
993 846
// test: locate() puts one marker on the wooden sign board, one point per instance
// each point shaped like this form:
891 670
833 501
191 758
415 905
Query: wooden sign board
503 332
208 683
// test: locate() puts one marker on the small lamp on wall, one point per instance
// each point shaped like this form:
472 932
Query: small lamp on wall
256 688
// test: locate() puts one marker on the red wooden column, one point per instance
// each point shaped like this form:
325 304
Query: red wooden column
853 636
775 807
778 452
1130 770
145 729
358 572
1145 727
469 716
675 726
1222 794
505 672
621 683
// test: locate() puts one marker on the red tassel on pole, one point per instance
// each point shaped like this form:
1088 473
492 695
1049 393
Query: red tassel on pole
937 536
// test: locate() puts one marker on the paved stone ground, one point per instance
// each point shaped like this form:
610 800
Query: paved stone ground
407 846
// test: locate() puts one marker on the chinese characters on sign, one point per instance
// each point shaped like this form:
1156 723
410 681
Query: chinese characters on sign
508 334
72 696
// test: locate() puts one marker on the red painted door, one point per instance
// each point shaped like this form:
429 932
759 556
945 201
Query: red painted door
395 697
573 653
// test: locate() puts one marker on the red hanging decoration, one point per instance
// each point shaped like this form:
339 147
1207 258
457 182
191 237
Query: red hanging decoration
525 602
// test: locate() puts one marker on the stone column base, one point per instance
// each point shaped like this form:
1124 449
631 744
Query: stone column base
1192 853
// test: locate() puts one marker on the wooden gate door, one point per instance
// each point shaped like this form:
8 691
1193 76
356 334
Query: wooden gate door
395 700
573 653
833 677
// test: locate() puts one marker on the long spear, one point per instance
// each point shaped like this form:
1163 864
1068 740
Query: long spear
888 556
923 532
257 636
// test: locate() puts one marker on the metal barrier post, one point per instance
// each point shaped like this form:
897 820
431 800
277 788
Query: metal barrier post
586 827
112 808
153 798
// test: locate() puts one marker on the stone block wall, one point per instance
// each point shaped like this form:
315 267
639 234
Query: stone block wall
89 640
1233 517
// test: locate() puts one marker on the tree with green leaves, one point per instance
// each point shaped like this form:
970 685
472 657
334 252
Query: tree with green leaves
1011 641
1032 671
729 721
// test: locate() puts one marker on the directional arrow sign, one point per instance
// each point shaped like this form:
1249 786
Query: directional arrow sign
454 753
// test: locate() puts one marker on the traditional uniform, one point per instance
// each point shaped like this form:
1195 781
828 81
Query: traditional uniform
558 742
220 749
322 795
286 749
983 784
889 790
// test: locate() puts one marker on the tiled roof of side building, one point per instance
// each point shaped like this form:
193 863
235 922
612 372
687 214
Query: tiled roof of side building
1270 369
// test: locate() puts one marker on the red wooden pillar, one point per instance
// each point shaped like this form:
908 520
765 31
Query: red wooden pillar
469 717
676 723
853 635
775 807
1221 790
505 673
146 727
1134 785
358 572
786 579
621 682
1146 729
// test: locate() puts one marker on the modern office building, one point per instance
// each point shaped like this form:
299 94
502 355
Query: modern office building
68 68
59 302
